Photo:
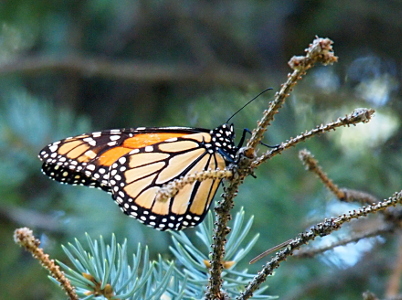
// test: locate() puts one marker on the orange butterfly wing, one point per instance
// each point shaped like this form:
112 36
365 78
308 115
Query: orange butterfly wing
133 164
85 159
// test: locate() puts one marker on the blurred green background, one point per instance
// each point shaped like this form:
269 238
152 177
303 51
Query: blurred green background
68 67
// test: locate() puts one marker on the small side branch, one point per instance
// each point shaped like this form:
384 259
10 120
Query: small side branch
25 238
312 165
343 194
360 115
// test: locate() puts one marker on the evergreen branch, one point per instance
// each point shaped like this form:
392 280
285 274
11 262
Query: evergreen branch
352 239
319 51
195 258
221 230
104 270
321 229
25 238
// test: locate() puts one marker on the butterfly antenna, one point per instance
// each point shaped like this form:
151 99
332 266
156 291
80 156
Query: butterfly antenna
268 89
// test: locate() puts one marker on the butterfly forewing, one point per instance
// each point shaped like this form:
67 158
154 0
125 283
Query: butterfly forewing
85 159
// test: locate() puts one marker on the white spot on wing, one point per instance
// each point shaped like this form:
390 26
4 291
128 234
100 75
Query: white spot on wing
134 151
114 137
53 148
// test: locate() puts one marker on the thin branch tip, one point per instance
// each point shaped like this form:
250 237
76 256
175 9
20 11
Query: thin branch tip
361 115
320 50
24 237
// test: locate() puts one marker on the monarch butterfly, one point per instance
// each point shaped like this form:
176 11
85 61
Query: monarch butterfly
133 164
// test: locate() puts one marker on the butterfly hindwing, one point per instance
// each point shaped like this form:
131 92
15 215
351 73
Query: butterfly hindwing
136 178
69 176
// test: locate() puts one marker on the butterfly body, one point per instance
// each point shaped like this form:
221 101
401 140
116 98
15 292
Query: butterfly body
133 164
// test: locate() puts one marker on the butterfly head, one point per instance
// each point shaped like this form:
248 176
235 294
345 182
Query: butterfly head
223 140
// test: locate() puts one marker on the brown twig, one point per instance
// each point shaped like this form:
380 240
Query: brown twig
25 238
312 165
359 196
360 115
342 194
